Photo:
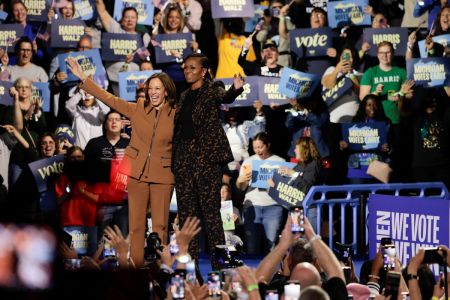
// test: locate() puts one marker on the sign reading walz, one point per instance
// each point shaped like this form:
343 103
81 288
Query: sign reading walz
67 33
172 45
116 46
37 10
250 93
232 9
284 193
9 35
397 36
312 42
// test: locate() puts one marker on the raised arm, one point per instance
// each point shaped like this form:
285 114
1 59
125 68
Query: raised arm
18 117
105 17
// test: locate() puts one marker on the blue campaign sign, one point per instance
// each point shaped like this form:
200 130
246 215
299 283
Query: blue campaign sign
144 8
295 84
37 10
342 86
398 36
283 193
9 35
45 168
269 91
89 60
443 39
41 92
67 33
311 42
262 170
250 93
364 136
347 12
84 239
85 9
232 9
116 46
411 223
429 72
5 97
3 15
168 44
250 24
129 81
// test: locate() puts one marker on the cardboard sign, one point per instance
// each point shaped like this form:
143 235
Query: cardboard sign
429 72
348 12
398 36
311 42
89 60
269 91
41 92
117 46
364 136
285 194
144 8
263 170
85 9
37 10
3 15
232 9
250 24
128 82
295 84
167 43
67 33
226 213
333 94
250 93
5 97
43 169
84 239
9 35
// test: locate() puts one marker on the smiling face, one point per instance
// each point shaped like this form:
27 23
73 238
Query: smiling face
385 55
225 193
445 19
317 19
261 149
25 53
129 20
379 21
173 20
193 71
371 108
19 12
270 55
88 100
48 146
156 93
67 11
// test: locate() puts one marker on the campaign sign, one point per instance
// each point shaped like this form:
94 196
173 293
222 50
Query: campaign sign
43 169
9 35
250 24
262 170
232 9
37 10
5 97
89 60
3 15
398 36
364 136
41 92
129 81
311 42
295 84
429 72
269 91
248 96
67 33
116 46
333 94
444 40
144 8
226 213
169 43
85 9
411 223
348 12
285 194
84 239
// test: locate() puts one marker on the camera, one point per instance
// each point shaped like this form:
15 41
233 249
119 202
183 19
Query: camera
153 243
227 256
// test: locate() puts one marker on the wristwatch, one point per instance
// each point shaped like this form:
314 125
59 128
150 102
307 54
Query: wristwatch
411 277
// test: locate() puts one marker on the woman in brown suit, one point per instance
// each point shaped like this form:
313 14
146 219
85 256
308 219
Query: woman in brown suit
148 155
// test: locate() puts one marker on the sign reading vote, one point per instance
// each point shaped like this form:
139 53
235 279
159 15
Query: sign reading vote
311 42
250 93
364 136
37 9
84 9
45 168
348 12
129 81
285 194
5 97
232 9
89 60
9 35
84 239
67 33
116 46
144 8
429 72
269 91
262 170
398 36
41 92
169 46
444 40
295 84
411 223
342 86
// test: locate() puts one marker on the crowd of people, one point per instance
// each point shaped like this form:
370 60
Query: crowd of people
122 160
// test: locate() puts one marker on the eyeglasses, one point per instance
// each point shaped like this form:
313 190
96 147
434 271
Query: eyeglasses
318 15
114 119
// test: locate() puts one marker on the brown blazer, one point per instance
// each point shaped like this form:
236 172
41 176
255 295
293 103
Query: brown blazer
150 149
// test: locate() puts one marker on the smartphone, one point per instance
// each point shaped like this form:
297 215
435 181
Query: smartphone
432 256
271 295
386 241
347 274
191 277
343 253
230 279
177 284
173 246
292 290
214 285
275 12
108 249
389 253
298 219
392 284
346 56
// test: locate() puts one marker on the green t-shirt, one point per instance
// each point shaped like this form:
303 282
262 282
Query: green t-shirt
392 81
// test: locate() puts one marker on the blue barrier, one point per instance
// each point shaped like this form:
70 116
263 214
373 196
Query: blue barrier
349 195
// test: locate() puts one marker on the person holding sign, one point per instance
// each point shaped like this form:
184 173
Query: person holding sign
148 155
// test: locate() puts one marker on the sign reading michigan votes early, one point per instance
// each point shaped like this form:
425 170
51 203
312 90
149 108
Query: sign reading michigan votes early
144 8
283 193
90 63
85 9
129 81
364 136
348 12
67 33
116 46
411 222
41 92
311 42
232 9
84 239
250 93
172 45
37 9
262 170
295 84
397 36
429 72
9 35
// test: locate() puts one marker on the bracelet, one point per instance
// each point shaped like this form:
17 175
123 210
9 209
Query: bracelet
434 298
374 276
315 238
411 277
401 94
252 287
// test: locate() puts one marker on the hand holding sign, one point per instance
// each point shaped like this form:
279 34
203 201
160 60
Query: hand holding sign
75 68
14 93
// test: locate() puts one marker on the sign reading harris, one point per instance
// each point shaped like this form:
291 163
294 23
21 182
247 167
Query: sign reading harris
43 169
232 9
295 84
144 8
398 36
41 92
84 239
444 40
285 194
67 33
429 72
341 87
262 170
170 43
116 46
269 91
37 9
85 9
364 136
250 93
89 60
411 223
348 12
5 97
312 42
129 81
9 35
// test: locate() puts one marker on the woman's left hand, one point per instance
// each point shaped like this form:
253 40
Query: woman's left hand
238 81
285 171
